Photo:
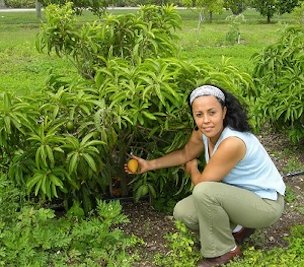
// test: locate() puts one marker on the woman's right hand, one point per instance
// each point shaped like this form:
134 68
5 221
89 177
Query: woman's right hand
143 165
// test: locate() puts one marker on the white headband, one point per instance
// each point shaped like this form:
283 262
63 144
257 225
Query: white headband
206 90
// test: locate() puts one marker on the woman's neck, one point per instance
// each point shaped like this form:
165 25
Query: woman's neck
213 140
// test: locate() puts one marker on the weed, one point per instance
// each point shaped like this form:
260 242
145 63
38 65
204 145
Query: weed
182 252
290 196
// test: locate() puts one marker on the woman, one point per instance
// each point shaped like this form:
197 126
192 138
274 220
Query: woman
238 190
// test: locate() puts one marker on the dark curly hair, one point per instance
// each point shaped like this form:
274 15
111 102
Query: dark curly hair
236 117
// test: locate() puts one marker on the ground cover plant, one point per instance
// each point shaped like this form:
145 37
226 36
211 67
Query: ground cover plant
65 130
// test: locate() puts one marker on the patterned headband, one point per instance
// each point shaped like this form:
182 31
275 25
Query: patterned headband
206 90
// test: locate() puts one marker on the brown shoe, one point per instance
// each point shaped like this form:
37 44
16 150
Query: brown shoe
242 235
218 261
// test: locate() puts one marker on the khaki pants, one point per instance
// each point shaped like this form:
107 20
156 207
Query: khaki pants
215 208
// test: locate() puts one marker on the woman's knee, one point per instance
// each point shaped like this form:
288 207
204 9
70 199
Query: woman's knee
178 211
185 211
204 189
181 210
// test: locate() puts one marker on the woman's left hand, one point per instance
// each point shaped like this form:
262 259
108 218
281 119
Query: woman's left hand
191 165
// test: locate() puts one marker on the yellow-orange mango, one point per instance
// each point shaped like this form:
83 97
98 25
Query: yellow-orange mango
133 165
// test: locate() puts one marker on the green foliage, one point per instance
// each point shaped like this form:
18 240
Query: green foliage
182 252
143 89
279 75
42 154
207 5
233 36
298 12
40 239
293 164
204 8
267 8
276 256
290 195
74 138
11 200
96 7
134 37
236 6
20 3
152 97
288 6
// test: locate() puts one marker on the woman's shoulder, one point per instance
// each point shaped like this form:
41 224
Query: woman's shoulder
229 132
247 138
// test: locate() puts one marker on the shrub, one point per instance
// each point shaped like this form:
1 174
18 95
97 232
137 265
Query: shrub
42 154
96 7
233 36
71 140
134 37
279 77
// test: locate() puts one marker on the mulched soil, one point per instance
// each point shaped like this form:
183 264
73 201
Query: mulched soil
152 226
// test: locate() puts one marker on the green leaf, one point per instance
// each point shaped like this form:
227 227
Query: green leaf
73 162
90 162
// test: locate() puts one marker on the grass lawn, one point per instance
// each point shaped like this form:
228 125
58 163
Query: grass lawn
22 68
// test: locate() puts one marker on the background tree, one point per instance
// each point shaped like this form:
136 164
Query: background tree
38 9
268 8
2 4
287 6
205 7
298 12
236 6
96 7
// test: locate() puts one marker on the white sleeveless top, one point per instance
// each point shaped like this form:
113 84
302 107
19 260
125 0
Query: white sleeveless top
256 171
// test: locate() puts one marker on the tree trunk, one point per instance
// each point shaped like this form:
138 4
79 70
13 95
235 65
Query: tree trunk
38 9
210 16
200 20
2 4
268 17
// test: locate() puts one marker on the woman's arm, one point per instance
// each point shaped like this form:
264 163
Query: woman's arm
228 154
191 150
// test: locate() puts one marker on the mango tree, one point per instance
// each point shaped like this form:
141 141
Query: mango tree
279 76
71 139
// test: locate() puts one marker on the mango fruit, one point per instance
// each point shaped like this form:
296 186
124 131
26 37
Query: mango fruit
133 165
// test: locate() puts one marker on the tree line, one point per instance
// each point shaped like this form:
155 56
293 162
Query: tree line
267 8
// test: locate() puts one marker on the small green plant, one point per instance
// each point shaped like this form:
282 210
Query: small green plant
182 252
37 238
11 200
293 164
291 256
300 209
233 36
290 195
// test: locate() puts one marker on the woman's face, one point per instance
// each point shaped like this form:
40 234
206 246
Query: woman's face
209 116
